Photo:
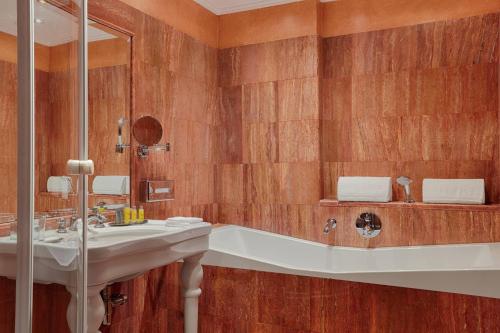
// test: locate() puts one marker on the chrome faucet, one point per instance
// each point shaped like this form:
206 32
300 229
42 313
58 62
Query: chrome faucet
99 220
77 222
405 182
61 226
329 226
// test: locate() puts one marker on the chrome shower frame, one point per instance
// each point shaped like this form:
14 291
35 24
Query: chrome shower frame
26 165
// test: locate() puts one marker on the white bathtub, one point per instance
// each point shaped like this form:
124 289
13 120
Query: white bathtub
472 269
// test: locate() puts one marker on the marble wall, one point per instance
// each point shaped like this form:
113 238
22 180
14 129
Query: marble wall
252 128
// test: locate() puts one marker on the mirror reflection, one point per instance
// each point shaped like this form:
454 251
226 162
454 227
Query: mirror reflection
57 113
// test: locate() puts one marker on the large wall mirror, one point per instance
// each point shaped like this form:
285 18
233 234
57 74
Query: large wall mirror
109 57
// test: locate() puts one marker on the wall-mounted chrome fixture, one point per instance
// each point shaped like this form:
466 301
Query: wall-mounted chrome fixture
143 150
111 300
61 226
368 225
148 132
331 224
156 190
405 182
120 146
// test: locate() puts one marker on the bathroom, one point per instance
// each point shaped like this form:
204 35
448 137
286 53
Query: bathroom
263 119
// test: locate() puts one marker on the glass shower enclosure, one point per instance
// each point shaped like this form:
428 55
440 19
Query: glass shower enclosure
43 193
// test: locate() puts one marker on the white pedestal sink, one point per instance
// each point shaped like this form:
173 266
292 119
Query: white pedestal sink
118 254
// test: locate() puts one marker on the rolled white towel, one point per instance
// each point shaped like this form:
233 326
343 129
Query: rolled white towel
454 191
59 184
117 185
371 189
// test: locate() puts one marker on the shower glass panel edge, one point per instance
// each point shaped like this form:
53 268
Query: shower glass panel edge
25 165
26 194
83 156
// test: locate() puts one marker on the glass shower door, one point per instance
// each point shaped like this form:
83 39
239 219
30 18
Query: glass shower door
52 167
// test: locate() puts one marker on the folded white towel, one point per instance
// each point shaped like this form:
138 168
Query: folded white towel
456 191
182 220
375 189
185 219
117 185
59 184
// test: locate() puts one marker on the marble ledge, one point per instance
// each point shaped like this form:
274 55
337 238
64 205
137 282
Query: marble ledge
415 205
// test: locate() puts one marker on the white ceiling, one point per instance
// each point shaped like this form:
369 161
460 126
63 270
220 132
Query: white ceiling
53 26
220 7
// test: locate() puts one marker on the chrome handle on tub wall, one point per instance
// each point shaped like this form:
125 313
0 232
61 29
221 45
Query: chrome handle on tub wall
368 225
329 226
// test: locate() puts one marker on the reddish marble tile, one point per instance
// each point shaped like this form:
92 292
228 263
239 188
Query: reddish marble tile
300 183
375 139
260 102
281 295
384 51
260 142
459 137
262 183
229 132
470 40
228 67
337 57
298 141
280 60
231 183
298 99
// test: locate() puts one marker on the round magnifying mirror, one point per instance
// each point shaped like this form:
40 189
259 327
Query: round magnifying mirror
147 131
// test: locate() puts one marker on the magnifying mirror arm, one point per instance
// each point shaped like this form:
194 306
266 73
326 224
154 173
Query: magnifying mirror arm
120 147
143 150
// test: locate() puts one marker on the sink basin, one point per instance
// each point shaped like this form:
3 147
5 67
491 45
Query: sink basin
114 254
112 235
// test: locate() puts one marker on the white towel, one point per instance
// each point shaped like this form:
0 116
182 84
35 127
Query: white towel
182 220
373 189
117 185
455 191
59 184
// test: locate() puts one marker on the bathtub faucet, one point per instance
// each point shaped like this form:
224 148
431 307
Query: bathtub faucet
331 224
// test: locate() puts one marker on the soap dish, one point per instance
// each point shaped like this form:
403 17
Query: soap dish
129 224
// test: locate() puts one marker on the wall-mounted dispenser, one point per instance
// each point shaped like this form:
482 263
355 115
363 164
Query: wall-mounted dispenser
156 190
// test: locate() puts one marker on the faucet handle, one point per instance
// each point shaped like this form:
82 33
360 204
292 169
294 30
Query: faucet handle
368 225
61 226
331 224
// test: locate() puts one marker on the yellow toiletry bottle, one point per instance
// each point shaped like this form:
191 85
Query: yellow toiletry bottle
141 214
133 215
126 215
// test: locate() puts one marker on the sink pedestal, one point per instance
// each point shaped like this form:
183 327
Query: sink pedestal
192 274
95 308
